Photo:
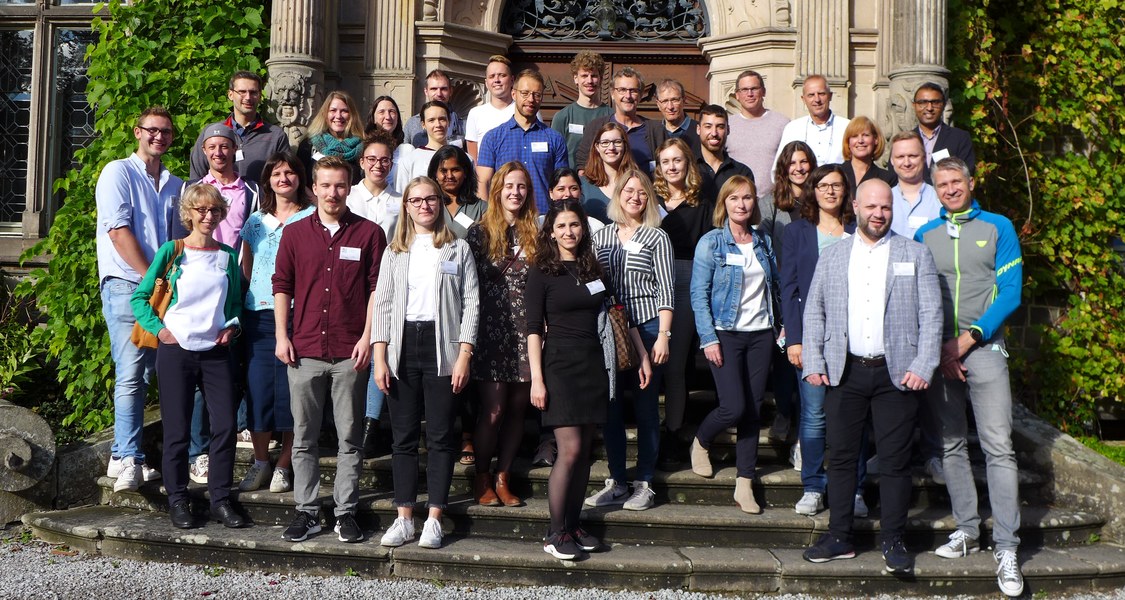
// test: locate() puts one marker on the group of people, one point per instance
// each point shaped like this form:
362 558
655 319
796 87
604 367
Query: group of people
463 270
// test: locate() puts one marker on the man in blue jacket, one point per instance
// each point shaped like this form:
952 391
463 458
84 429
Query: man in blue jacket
980 270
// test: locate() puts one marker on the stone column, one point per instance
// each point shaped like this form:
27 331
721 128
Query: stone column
917 56
822 48
388 60
296 63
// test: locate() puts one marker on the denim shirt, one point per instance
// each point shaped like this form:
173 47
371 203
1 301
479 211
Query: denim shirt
716 287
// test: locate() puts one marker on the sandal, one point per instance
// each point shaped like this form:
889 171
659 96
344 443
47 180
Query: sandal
468 456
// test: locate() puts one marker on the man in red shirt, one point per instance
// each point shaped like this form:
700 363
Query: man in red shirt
327 266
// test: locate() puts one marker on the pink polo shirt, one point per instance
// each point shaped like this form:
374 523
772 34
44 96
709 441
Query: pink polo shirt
235 195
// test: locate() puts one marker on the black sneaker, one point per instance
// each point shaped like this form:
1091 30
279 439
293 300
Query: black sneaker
898 560
828 548
303 525
584 540
561 546
347 529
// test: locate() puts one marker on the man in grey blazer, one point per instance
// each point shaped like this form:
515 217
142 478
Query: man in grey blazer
873 336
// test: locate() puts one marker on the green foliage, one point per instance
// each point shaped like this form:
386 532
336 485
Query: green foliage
174 53
1043 88
19 357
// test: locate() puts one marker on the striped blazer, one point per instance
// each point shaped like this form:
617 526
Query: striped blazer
457 304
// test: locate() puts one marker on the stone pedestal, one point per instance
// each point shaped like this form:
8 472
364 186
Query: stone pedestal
296 64
917 56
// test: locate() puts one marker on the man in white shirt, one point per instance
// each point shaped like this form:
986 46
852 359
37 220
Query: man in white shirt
499 108
373 198
822 130
915 201
755 131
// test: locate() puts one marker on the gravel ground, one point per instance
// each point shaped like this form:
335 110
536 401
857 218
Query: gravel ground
32 569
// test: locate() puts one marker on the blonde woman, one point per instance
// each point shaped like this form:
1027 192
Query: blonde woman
424 328
335 130
863 145
504 246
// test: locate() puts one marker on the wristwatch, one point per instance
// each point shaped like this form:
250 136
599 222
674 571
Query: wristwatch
977 335
667 333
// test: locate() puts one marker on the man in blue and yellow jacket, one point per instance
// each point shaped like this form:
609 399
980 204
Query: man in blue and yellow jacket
980 270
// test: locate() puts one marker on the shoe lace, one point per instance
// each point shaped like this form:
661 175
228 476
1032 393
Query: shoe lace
958 537
1009 567
201 461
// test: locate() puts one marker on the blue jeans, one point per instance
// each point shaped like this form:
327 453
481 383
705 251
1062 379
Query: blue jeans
814 478
988 391
375 396
133 368
646 406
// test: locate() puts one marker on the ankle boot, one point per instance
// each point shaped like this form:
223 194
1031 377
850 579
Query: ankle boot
700 461
504 493
482 490
744 496
370 437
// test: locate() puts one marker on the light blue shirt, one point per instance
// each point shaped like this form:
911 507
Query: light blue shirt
907 219
262 233
127 197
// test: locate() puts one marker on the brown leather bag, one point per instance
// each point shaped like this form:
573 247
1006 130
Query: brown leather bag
627 357
159 300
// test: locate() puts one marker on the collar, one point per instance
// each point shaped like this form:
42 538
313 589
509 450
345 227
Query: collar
239 130
643 120
886 239
683 126
964 216
828 124
140 165
345 219
937 131
535 124
728 237
210 179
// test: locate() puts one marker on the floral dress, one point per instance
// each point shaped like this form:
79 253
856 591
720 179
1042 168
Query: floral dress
501 350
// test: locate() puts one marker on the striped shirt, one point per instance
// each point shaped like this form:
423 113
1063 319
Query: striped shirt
640 270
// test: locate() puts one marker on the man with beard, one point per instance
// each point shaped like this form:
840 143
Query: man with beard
873 336
715 165
257 139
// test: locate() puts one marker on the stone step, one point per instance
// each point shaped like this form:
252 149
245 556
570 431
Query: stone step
128 533
666 523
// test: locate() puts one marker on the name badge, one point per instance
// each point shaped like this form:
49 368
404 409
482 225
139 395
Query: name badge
448 267
633 247
916 222
349 253
941 154
516 250
736 260
903 269
457 142
539 147
952 229
595 286
845 235
575 128
652 166
463 220
394 208
662 211
239 156
316 155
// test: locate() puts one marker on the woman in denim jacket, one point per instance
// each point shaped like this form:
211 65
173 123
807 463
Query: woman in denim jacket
733 285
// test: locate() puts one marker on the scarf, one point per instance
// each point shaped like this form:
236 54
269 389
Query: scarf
348 148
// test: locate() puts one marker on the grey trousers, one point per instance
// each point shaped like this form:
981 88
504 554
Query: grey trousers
312 384
988 391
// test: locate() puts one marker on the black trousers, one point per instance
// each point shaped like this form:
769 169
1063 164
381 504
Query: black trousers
419 390
893 413
178 373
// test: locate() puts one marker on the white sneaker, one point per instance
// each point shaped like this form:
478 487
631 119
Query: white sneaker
431 534
859 509
643 497
795 456
199 468
401 531
114 470
255 477
959 544
282 481
935 471
613 493
1008 575
129 478
243 439
810 503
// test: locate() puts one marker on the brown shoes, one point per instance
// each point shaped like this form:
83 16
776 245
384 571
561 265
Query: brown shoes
744 496
506 496
482 490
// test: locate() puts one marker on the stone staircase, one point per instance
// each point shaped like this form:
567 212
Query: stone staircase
695 538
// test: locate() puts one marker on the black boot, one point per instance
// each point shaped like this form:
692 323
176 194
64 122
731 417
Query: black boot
370 437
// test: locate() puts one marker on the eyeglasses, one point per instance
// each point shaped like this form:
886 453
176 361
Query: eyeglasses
382 161
824 187
610 143
924 102
668 101
250 93
418 200
156 131
624 91
216 211
530 94
750 90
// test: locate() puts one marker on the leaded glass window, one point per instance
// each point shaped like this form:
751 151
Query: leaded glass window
74 117
636 20
15 118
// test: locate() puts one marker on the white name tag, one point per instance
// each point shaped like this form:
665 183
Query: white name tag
662 211
516 250
941 154
316 155
845 235
349 253
736 260
652 166
952 229
916 222
463 220
457 142
903 269
633 247
539 147
239 156
595 286
448 267
576 128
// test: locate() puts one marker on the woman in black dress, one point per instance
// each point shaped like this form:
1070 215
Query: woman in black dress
571 373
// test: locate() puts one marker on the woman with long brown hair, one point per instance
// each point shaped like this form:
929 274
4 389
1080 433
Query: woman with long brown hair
609 157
